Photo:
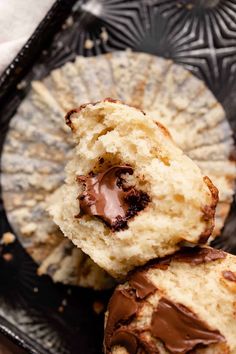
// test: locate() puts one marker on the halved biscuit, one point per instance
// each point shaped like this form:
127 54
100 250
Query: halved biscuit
184 303
130 193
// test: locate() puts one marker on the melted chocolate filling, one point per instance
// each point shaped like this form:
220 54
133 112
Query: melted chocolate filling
192 255
180 329
125 339
197 255
106 197
132 342
122 308
142 286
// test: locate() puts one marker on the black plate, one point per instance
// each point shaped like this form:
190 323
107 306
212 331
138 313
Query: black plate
201 35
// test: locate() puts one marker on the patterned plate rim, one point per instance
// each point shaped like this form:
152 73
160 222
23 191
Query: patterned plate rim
48 26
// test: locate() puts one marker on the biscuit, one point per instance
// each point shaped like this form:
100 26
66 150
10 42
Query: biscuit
180 304
130 193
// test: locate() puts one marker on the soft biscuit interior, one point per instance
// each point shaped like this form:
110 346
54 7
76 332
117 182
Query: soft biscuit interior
181 203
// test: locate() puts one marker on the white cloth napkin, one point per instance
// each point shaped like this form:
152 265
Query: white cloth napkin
18 20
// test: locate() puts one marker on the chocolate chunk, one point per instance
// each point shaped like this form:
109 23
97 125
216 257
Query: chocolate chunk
121 308
133 342
198 255
161 263
180 329
142 286
125 339
106 197
228 275
193 255
101 161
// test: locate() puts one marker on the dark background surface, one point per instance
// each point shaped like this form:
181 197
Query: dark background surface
7 347
200 35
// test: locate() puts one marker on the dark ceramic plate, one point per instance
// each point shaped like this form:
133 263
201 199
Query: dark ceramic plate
201 35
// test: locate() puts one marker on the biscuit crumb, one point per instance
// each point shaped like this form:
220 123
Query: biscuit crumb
88 44
7 257
104 35
98 307
189 6
64 302
49 344
60 309
69 21
8 238
22 84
